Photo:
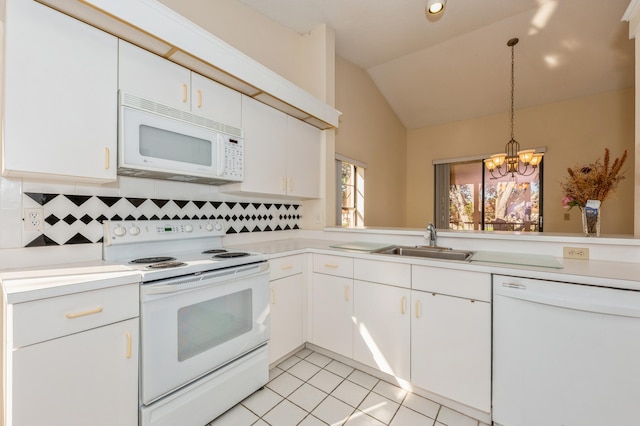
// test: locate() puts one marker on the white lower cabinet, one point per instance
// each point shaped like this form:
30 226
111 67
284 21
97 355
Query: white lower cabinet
332 312
451 337
286 316
382 327
73 359
87 378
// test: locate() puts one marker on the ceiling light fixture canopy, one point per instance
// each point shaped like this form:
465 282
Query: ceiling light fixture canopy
435 7
516 161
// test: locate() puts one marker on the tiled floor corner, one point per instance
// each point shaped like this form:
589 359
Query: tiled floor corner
311 389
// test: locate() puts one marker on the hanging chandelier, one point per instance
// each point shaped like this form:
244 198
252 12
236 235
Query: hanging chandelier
516 161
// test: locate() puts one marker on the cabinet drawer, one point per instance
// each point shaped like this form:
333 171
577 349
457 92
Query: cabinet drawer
285 266
468 284
397 274
47 319
333 265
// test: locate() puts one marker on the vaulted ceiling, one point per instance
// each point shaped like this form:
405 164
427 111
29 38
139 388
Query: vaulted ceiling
457 66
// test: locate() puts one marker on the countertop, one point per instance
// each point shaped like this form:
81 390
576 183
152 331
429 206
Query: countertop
51 281
22 285
624 275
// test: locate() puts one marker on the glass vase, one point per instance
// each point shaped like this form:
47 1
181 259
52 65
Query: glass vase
590 222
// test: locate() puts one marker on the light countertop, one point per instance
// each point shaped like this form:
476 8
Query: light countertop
57 280
625 275
22 285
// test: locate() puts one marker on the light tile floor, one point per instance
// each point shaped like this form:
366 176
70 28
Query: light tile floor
311 389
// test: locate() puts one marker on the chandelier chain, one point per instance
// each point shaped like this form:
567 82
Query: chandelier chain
512 88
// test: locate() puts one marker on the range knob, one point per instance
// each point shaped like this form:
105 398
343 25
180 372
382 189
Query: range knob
188 228
209 227
119 231
218 226
134 230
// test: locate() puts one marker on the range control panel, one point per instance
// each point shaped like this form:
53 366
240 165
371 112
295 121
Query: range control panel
139 231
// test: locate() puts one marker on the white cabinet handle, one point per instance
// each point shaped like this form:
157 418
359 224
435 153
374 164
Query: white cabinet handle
290 184
403 305
417 309
286 267
106 158
84 313
331 265
284 184
273 296
184 93
199 98
346 293
128 336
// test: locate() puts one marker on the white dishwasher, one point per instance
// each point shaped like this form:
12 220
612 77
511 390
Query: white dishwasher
565 354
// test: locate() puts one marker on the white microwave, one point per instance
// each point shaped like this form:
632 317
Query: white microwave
157 141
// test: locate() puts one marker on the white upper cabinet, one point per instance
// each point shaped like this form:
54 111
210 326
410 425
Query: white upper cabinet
282 154
155 78
264 148
60 108
211 99
303 159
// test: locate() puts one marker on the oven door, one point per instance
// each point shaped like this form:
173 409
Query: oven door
193 325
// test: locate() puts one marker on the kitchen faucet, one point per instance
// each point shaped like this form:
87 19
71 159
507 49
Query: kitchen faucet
431 235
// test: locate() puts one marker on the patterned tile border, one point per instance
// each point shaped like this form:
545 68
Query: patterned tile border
77 219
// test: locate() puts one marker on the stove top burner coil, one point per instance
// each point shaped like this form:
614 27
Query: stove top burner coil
214 251
231 255
165 265
153 259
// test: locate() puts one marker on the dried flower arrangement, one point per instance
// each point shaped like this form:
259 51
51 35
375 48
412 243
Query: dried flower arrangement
593 182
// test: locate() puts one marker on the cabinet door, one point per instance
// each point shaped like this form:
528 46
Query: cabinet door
332 309
154 78
87 378
285 316
304 155
264 148
382 327
60 111
451 348
215 101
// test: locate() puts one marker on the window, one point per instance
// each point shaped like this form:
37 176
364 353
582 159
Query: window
350 179
471 199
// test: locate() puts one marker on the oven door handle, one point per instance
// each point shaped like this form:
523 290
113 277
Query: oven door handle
207 279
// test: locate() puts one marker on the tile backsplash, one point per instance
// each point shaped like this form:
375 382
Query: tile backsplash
74 214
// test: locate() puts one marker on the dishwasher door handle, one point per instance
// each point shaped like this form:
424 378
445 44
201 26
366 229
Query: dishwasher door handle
617 303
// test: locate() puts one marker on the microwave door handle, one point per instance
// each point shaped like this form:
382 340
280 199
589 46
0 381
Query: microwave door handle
221 153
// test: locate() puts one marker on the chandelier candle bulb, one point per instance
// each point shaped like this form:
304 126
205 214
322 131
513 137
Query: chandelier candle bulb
499 159
527 155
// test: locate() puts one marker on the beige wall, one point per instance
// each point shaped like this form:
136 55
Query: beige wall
574 132
264 40
370 132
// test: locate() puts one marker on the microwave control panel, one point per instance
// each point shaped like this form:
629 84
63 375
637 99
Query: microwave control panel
233 158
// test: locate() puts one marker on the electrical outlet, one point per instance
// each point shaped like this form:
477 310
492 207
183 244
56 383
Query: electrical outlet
34 219
575 253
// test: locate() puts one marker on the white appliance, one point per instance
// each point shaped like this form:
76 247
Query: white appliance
157 141
565 354
204 318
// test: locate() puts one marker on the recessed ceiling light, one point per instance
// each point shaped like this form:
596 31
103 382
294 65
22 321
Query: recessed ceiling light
435 6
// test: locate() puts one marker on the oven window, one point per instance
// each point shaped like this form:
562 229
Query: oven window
160 143
208 324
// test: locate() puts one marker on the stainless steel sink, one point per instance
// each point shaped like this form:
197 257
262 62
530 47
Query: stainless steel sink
442 253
